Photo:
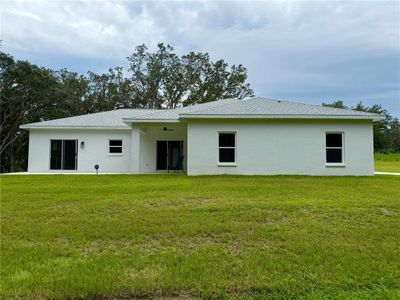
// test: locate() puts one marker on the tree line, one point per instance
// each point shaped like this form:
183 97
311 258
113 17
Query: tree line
386 132
157 80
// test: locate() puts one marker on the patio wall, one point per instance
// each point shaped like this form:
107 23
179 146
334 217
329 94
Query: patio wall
144 142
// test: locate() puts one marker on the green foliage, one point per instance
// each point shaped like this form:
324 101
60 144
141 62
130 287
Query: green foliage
27 94
386 132
336 104
155 80
387 156
241 237
165 80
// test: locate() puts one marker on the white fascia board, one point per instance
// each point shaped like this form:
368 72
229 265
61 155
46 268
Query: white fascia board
27 126
130 120
248 116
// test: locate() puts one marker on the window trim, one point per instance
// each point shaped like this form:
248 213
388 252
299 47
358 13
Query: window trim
335 164
227 164
109 147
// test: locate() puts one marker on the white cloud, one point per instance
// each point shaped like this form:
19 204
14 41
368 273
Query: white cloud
85 29
307 50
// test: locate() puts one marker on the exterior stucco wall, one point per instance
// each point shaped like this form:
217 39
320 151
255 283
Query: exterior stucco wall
262 147
94 152
147 136
280 147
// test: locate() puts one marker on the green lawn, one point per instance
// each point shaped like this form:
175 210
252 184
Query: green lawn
387 162
125 236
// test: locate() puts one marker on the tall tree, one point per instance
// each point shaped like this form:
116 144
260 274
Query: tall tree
335 104
165 80
386 132
148 71
159 79
27 93
73 92
108 91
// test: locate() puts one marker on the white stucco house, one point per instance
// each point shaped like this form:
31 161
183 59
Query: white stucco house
250 136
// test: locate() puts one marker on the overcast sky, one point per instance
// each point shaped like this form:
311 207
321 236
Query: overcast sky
308 51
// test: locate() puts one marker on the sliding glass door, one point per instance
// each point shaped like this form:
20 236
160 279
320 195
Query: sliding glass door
63 154
168 153
162 155
55 154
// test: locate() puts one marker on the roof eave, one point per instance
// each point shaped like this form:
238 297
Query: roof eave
133 120
27 126
280 116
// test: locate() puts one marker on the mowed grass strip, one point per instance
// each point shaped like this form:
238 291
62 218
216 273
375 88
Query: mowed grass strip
278 237
387 162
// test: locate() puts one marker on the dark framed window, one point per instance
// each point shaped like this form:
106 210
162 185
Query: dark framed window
63 154
334 147
115 146
227 147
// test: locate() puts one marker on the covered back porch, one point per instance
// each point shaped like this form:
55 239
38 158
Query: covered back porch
159 147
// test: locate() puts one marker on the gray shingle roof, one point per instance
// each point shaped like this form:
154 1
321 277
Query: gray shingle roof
269 107
107 119
255 108
173 114
228 108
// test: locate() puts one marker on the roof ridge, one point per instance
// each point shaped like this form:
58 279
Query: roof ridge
95 113
155 111
266 106
70 117
78 118
233 101
178 110
320 105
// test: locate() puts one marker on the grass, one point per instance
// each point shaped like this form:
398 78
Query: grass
387 162
125 236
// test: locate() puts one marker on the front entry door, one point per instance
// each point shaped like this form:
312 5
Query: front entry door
168 153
